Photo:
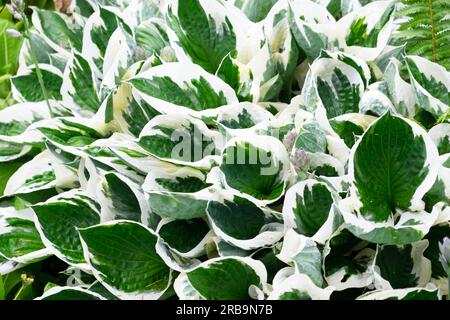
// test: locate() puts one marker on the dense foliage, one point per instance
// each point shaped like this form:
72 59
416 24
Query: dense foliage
210 149
10 47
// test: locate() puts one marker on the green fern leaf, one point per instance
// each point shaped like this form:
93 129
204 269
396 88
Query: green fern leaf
424 27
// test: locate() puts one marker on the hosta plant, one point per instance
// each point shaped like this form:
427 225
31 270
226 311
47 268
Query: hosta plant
210 149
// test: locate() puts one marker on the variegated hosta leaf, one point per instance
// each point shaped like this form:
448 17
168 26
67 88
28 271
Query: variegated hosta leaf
120 110
243 224
375 102
135 116
304 254
123 258
307 206
431 252
16 128
42 50
97 32
123 198
282 124
322 164
137 11
397 267
266 80
120 153
431 83
79 88
84 7
239 77
256 166
43 172
365 32
314 139
129 153
440 191
60 33
152 36
118 57
181 139
16 119
347 260
177 192
281 41
388 151
185 237
69 293
237 118
69 134
312 26
392 166
255 10
181 87
19 239
182 242
264 60
311 138
290 285
399 91
188 20
335 84
225 249
379 65
440 134
222 279
350 127
361 32
26 87
58 60
356 62
58 220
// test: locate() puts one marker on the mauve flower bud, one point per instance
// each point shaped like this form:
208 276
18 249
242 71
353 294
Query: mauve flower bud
13 33
11 9
18 16
289 139
300 160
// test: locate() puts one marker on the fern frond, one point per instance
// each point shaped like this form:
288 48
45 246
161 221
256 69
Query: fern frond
424 27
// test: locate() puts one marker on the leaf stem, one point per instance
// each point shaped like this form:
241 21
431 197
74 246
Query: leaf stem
5 77
34 58
5 103
444 117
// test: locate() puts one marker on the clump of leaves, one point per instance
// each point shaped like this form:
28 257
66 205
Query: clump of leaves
10 46
208 149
